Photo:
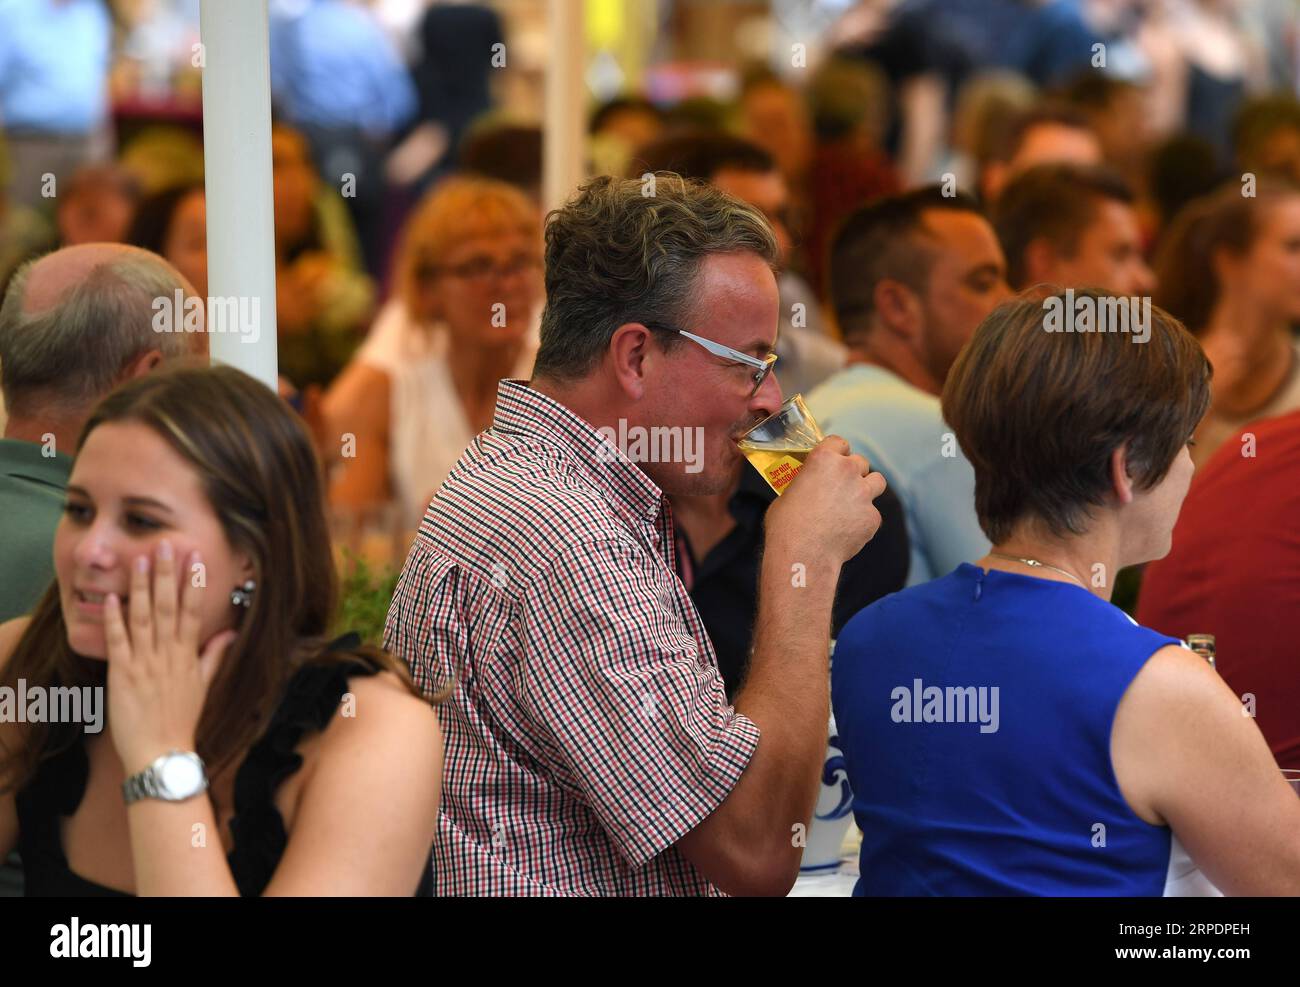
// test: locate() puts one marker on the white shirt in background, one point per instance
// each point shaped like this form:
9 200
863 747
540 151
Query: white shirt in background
427 430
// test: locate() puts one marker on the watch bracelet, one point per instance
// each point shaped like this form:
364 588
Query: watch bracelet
141 785
145 783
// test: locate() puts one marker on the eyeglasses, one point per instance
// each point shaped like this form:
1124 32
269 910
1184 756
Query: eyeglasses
481 269
762 365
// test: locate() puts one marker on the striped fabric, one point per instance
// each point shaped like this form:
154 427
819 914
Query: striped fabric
589 729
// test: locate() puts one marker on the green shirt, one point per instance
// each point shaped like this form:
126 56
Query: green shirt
32 488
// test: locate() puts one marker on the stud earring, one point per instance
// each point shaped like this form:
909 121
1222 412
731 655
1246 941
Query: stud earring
242 596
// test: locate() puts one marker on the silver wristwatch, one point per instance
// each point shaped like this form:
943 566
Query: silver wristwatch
174 777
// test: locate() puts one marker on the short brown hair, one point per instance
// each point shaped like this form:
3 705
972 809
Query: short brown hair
1048 114
1258 120
1039 413
1053 202
887 239
617 253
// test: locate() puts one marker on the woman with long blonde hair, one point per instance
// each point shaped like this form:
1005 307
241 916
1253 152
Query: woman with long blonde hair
424 384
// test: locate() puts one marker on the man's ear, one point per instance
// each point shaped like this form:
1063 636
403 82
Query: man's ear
1040 261
146 362
1120 481
898 310
629 350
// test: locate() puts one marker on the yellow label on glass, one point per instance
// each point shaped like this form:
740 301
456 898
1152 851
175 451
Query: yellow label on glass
777 466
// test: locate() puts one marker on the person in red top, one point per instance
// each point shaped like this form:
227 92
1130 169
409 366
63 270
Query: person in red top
1234 572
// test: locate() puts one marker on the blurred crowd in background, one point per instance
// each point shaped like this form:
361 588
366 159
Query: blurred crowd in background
919 162
407 159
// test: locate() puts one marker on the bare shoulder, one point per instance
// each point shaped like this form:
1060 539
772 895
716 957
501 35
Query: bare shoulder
385 686
1175 704
1174 678
10 632
366 813
379 710
359 395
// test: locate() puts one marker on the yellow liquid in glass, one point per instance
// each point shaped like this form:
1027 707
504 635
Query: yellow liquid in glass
777 465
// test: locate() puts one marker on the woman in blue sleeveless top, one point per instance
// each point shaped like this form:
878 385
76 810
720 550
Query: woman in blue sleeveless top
1007 730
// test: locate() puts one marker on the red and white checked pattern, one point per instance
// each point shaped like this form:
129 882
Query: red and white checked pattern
589 728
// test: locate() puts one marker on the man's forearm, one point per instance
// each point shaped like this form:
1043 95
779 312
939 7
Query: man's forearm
787 690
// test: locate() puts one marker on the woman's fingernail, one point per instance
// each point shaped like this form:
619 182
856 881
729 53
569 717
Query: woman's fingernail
165 551
142 563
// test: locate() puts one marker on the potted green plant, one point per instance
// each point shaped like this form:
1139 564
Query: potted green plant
364 597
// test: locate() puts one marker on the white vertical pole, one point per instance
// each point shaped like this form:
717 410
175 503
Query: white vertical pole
564 132
237 175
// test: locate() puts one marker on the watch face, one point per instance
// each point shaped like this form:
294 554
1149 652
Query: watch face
181 776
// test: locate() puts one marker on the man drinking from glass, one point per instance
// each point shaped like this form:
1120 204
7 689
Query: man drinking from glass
591 749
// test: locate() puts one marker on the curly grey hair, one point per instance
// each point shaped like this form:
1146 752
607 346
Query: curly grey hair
628 250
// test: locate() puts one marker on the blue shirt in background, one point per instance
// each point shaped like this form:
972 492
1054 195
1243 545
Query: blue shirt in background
54 61
901 431
974 714
333 66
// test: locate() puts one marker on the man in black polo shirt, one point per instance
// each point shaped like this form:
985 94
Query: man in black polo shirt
720 547
720 539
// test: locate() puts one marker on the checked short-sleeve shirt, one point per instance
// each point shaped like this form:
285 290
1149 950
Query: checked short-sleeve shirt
588 729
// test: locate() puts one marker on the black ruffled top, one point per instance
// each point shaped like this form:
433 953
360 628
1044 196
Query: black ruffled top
310 701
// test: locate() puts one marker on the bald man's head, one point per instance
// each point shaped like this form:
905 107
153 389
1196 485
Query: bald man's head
80 320
50 278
